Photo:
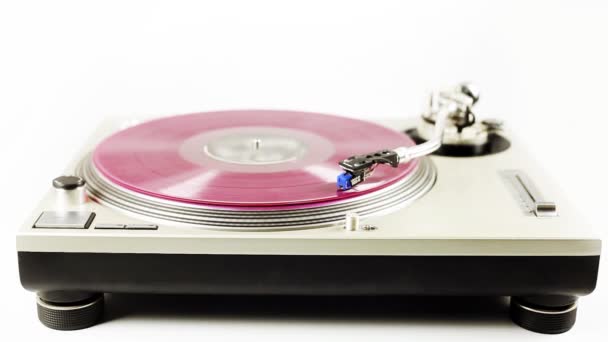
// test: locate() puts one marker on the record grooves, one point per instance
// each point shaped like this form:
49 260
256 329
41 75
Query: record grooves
285 217
249 170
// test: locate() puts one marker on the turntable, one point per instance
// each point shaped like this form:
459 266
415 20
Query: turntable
292 203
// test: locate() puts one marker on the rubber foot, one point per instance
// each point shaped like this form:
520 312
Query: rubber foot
544 320
71 316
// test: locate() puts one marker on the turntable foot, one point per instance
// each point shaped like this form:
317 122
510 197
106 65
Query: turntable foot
62 310
544 314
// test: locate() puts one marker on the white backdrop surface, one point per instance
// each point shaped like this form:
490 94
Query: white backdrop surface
66 65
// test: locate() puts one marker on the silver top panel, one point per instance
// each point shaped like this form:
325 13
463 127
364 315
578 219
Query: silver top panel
469 211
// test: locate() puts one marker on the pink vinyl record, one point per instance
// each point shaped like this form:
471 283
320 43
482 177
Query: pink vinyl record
246 158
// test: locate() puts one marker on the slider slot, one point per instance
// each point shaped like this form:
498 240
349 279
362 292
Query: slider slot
541 207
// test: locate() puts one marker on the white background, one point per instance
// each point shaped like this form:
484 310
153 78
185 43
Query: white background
64 66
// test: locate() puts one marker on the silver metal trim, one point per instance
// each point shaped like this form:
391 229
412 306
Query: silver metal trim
548 312
389 199
109 226
140 226
66 307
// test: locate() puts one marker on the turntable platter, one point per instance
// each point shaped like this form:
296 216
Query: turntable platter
245 158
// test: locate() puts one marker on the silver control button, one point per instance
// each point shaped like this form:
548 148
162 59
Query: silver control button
109 226
142 226
65 219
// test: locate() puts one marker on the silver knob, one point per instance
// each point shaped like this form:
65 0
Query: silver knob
69 191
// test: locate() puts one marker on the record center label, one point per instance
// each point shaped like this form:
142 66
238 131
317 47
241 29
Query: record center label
256 149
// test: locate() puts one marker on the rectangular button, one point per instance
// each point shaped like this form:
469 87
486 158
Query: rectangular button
65 219
142 226
109 226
